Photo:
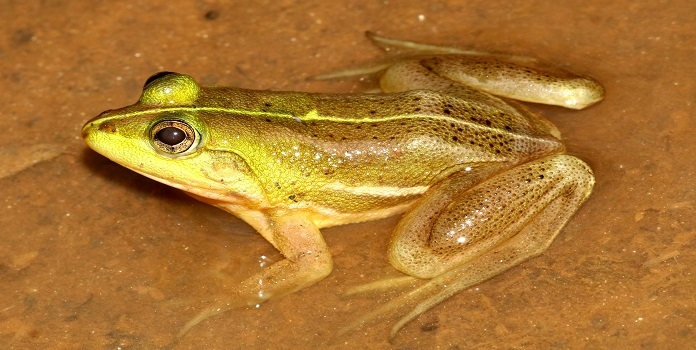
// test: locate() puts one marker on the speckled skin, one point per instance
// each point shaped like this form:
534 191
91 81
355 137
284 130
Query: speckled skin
483 182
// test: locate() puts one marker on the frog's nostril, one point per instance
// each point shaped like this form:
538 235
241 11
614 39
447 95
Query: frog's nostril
107 127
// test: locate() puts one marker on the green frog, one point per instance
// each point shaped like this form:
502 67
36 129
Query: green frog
482 182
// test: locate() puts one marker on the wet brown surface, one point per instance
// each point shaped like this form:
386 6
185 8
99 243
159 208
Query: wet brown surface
94 256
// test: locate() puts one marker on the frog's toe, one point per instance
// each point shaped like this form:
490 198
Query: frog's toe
411 303
218 308
386 284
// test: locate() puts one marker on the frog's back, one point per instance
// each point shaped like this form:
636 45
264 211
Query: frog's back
381 148
468 126
425 128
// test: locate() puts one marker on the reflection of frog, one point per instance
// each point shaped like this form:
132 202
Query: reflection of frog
484 183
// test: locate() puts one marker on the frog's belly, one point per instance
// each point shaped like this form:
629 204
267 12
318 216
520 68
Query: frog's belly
336 204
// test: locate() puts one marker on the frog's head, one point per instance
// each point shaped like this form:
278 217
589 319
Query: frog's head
164 136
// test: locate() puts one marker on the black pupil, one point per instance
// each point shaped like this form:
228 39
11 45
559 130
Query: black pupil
171 136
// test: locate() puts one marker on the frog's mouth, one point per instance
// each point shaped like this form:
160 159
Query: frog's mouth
198 190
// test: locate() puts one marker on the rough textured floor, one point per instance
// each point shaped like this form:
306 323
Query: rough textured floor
95 256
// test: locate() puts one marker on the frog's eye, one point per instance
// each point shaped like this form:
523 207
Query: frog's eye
157 76
170 89
174 136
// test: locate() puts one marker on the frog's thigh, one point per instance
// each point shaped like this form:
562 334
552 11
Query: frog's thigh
520 211
517 82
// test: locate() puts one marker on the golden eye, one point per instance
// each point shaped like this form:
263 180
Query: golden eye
173 136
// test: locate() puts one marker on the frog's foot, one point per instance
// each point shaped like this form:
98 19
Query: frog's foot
397 46
462 238
398 306
307 261
392 44
352 72
249 294
400 49
382 285
412 304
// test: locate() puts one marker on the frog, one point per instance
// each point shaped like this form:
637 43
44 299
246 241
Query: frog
482 182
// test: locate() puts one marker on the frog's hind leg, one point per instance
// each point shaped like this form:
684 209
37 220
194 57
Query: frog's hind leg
482 231
519 82
511 76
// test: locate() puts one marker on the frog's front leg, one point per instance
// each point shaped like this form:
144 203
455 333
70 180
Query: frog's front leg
462 236
307 261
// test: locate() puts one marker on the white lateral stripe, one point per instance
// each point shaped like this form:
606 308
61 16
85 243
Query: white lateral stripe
379 191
